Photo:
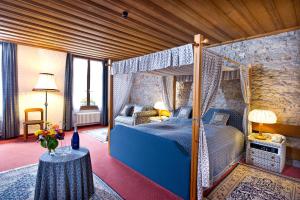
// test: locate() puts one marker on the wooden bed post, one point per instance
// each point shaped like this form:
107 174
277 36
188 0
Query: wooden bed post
198 47
174 92
110 102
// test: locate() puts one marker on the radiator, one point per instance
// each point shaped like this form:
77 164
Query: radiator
86 118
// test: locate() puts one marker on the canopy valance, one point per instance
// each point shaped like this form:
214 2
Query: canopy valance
167 61
177 61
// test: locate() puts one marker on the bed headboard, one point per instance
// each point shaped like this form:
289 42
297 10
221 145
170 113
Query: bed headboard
286 130
235 119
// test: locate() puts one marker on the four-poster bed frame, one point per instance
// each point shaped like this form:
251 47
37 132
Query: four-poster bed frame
199 42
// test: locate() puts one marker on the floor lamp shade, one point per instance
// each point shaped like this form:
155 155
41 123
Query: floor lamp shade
46 82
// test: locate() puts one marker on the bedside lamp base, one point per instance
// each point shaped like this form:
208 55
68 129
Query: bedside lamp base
260 136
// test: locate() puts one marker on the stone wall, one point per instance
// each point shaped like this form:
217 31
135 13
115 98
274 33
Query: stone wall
276 72
146 89
275 79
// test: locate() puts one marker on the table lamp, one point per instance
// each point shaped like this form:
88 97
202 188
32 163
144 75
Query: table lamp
46 83
262 117
160 106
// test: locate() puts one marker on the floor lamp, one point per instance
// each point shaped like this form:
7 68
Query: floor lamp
46 83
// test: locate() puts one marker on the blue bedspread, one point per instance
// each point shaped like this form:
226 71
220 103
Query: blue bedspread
225 143
161 151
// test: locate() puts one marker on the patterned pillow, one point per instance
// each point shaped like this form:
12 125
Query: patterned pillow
138 109
127 110
219 118
185 112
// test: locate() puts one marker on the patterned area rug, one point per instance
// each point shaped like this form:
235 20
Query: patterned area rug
100 134
246 182
19 184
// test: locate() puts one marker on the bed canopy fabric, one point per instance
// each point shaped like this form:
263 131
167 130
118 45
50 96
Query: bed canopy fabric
121 88
179 62
175 61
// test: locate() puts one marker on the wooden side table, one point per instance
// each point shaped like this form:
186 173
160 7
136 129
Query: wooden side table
267 154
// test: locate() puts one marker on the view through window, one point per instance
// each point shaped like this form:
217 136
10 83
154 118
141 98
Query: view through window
87 83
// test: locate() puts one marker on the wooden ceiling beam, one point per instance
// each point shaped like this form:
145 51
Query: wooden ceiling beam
199 19
21 32
26 10
99 46
114 18
234 16
297 10
62 8
55 27
218 19
273 12
142 12
29 42
64 45
182 12
243 10
285 10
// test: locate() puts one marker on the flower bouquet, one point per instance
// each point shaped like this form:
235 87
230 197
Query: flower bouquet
49 137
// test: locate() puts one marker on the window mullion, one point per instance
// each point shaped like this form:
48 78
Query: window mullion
88 84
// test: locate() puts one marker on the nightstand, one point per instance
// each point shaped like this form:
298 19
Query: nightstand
158 118
266 153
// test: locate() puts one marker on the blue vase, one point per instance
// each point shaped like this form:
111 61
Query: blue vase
75 139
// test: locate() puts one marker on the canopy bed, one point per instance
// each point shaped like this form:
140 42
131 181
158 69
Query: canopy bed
180 160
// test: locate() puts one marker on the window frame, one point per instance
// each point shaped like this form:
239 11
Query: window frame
88 95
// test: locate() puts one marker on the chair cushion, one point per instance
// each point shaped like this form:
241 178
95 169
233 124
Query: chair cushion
124 120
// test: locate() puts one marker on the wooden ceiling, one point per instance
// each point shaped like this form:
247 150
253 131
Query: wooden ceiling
96 29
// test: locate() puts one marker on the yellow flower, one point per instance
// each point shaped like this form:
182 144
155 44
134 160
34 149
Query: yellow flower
38 132
52 132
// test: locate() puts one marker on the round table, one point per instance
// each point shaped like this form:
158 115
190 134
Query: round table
65 176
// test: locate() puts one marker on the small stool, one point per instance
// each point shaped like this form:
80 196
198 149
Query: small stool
32 122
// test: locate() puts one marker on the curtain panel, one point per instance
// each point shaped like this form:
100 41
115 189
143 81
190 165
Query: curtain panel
104 111
167 92
211 79
11 123
122 84
245 86
68 93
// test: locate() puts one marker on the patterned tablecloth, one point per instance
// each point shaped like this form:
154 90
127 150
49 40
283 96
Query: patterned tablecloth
65 177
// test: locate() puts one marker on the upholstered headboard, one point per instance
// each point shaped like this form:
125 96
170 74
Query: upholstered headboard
235 119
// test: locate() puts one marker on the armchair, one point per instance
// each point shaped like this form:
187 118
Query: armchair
135 118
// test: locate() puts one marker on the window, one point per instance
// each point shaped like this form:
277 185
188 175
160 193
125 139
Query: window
87 83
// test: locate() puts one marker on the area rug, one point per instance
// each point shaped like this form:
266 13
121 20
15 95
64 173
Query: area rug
19 184
99 133
248 182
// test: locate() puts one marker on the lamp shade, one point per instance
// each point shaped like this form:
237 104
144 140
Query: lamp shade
160 106
262 116
46 82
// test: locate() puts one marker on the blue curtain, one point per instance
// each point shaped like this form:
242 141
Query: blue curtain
11 123
104 113
68 91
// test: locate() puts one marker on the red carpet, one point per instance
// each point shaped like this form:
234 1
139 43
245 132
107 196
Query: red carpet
128 183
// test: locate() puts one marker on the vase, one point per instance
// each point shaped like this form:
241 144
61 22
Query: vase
51 152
